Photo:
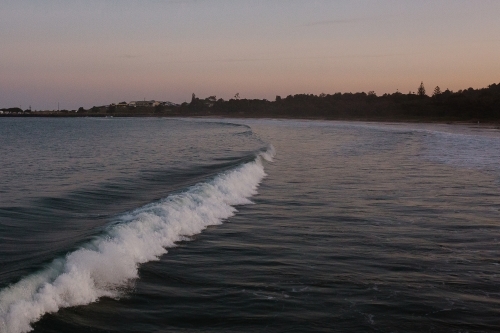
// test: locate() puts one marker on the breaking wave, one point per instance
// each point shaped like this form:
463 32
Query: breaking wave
105 265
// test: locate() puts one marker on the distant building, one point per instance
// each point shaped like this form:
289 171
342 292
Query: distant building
169 104
141 103
151 103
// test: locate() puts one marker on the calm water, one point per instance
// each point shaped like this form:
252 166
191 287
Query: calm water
353 228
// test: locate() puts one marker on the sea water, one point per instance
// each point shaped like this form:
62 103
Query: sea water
167 225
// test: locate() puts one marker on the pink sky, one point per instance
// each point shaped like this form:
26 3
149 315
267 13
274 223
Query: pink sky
85 53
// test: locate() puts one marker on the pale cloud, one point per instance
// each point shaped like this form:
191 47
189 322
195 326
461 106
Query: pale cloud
350 20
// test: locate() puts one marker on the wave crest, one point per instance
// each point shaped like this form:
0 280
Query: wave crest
101 267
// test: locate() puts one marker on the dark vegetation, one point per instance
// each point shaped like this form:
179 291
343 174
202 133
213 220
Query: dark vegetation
463 105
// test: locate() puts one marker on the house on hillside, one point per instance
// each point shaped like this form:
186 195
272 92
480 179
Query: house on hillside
151 103
169 104
141 103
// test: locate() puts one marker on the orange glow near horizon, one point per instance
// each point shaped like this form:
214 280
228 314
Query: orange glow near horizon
67 53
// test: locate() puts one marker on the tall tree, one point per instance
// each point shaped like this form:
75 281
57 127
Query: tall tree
437 91
421 90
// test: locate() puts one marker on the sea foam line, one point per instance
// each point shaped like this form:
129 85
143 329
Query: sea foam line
102 266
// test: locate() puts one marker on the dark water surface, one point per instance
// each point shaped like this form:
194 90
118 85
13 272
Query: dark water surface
356 228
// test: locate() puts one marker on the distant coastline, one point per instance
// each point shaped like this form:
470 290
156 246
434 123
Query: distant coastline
469 105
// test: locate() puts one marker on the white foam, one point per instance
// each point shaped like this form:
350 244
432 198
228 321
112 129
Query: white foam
103 266
269 154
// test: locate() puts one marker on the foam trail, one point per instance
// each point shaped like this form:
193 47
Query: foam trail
107 263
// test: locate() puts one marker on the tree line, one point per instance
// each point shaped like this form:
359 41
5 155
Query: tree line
463 105
469 104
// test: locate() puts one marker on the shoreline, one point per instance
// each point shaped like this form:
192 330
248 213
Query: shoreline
423 120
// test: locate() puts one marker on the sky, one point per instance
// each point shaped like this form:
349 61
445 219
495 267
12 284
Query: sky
85 53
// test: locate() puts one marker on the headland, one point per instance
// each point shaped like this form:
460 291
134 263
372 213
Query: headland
469 105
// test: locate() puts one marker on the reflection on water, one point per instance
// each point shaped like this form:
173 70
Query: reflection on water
357 228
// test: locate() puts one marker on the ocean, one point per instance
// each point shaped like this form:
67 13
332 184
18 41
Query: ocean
241 225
